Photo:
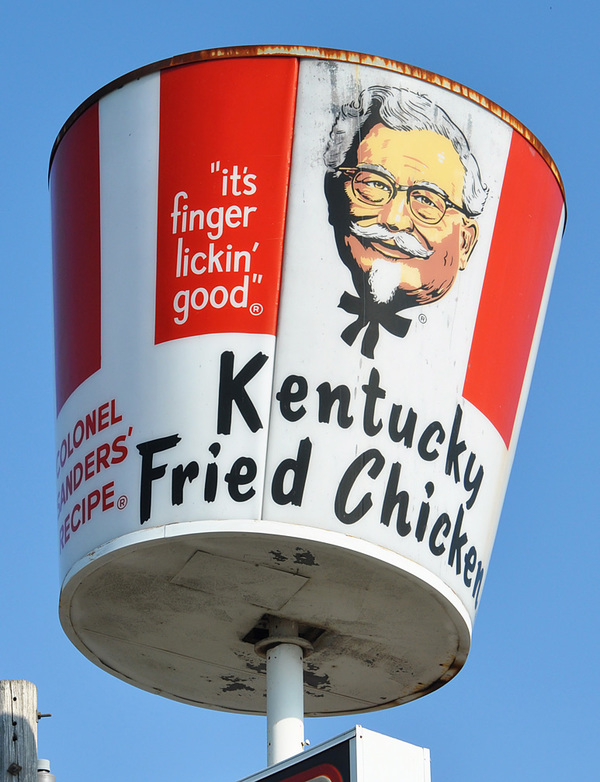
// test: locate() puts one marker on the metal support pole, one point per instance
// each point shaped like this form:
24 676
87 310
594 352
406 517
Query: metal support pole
285 703
285 689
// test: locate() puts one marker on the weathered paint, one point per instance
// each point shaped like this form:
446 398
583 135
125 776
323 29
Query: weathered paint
322 54
242 452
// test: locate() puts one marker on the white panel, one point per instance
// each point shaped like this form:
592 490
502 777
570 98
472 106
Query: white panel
423 372
384 759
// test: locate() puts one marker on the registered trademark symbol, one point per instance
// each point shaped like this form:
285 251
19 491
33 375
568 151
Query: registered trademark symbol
422 318
122 502
256 309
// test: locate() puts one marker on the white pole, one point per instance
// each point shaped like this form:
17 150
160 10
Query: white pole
285 691
285 703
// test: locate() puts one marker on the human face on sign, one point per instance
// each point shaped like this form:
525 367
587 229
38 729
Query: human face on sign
406 226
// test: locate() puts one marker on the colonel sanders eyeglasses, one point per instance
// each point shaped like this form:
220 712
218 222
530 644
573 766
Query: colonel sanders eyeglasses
377 189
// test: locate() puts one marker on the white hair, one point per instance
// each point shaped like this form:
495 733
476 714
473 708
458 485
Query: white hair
401 109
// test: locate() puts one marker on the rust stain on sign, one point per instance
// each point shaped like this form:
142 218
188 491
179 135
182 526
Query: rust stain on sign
307 52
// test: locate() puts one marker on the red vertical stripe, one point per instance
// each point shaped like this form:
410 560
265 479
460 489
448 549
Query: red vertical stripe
524 236
226 131
75 195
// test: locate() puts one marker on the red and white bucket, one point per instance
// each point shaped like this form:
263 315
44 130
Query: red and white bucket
298 297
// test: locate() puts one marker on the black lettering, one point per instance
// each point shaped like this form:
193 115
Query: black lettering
298 469
233 389
212 475
243 472
425 439
408 430
151 473
424 513
455 448
393 500
473 485
347 482
470 560
478 583
327 396
443 526
373 392
293 389
180 475
458 541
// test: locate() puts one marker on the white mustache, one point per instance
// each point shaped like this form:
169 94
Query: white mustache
404 241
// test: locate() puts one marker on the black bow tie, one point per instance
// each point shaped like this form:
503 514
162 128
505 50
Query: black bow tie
371 314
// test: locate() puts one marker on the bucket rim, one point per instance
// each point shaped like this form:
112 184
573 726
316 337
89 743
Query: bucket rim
317 53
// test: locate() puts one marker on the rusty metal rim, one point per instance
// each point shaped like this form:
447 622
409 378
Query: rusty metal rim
233 52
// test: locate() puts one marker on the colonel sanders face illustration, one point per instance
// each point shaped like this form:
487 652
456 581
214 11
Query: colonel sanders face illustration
403 189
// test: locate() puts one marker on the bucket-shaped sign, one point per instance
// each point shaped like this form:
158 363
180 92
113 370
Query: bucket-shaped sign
298 297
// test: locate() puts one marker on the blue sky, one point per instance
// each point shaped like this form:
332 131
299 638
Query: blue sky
524 706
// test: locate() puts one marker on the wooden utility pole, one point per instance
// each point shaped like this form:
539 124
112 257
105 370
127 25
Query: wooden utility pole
18 731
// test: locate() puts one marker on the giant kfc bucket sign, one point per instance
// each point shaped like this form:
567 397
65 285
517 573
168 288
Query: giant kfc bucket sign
294 336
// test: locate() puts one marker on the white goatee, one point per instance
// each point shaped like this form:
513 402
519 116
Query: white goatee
384 279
